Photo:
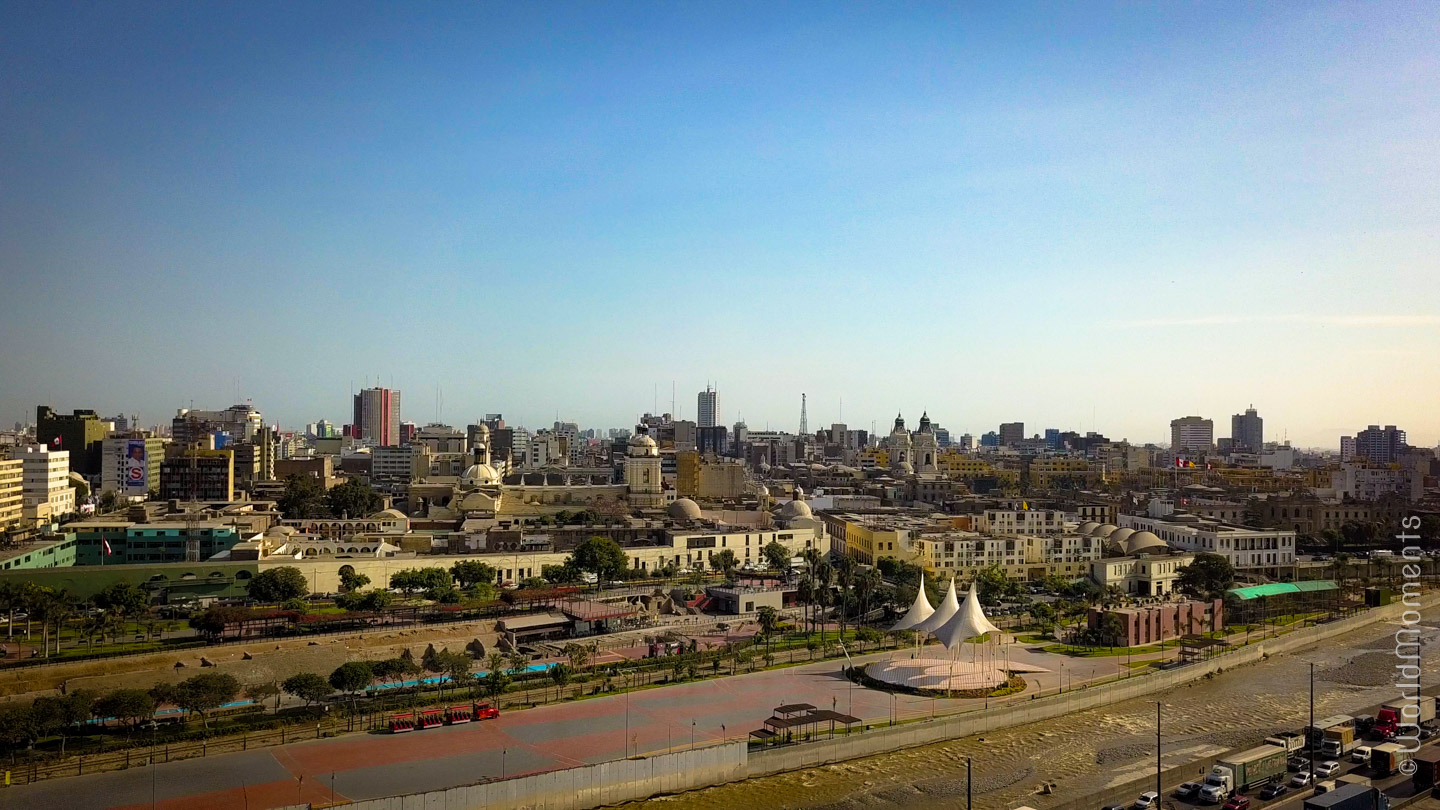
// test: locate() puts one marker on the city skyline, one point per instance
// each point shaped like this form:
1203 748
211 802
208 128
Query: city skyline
1159 212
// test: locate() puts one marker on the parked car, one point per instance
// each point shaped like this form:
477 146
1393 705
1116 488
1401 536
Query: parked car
1327 768
1273 789
1300 780
1238 802
1147 800
1189 790
1114 807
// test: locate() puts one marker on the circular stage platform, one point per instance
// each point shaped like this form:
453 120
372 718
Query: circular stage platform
945 675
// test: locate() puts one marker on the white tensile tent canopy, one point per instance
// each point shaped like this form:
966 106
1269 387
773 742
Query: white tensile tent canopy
948 607
918 612
967 622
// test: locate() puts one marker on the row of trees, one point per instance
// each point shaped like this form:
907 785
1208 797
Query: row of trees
106 614
306 497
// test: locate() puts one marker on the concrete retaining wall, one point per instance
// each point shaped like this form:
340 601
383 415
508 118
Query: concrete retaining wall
624 780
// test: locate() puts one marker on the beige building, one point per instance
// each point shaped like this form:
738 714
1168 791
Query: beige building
1141 574
45 482
12 497
966 553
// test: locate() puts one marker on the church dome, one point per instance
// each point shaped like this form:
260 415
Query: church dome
907 467
642 445
685 509
480 475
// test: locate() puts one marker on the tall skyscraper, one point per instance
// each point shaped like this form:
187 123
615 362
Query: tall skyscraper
377 417
1247 431
1192 434
1012 434
80 434
705 410
1380 445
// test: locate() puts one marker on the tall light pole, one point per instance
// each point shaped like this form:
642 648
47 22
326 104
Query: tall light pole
967 783
1310 732
1157 749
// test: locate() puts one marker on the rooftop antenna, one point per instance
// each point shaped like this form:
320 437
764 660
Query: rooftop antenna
804 422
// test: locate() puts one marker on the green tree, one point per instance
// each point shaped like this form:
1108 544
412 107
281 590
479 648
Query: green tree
769 619
278 584
560 676
371 601
353 499
351 580
602 557
129 706
202 693
307 686
351 678
579 656
212 621
519 661
777 556
123 599
564 574
1112 627
725 562
456 666
304 497
60 714
18 726
1208 576
263 691
472 572
415 580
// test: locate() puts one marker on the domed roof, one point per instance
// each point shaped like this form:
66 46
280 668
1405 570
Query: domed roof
907 467
684 509
795 509
642 440
1087 527
1104 530
479 475
1143 541
280 531
392 512
1117 539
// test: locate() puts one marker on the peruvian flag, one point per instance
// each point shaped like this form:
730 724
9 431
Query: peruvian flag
55 441
106 544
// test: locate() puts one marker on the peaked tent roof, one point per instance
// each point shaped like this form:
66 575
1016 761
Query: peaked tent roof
968 622
942 614
918 612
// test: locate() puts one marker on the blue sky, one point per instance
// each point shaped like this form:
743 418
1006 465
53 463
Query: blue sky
1073 215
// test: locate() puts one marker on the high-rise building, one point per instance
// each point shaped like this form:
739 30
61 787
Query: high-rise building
45 479
1380 445
12 492
1247 431
1012 434
80 434
711 440
705 409
1192 434
1347 448
198 475
131 464
377 417
190 427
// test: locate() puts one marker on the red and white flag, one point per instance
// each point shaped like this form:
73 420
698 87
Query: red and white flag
106 544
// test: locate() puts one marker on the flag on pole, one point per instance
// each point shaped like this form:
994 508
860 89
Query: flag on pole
55 441
106 544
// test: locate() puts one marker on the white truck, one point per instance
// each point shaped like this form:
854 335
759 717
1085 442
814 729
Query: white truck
1218 785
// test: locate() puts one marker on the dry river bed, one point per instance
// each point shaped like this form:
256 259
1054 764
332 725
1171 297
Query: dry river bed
1086 751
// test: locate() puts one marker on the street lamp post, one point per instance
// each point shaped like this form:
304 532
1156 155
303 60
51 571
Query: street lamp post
692 735
1157 748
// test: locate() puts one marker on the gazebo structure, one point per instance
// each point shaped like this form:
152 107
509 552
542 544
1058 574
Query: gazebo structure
963 622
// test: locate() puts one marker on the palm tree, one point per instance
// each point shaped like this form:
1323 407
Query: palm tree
812 560
825 576
865 587
11 598
845 578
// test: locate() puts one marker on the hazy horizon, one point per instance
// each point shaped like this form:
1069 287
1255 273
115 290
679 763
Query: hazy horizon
1085 217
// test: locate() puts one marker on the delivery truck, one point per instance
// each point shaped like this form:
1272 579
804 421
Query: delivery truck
1349 797
1386 758
1338 741
1255 766
1289 740
1403 711
1427 768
